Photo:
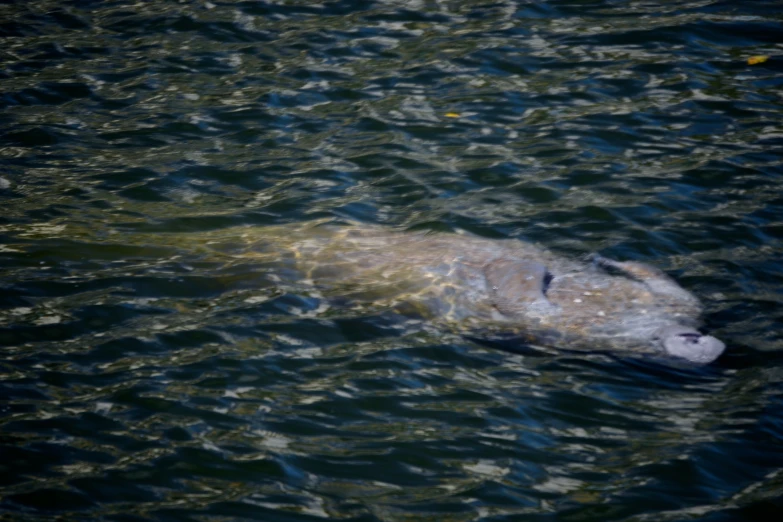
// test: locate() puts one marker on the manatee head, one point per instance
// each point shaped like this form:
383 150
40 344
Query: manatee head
689 344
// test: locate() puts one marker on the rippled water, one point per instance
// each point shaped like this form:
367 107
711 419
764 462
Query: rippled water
147 378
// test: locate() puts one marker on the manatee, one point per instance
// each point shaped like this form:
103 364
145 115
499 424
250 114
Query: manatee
493 289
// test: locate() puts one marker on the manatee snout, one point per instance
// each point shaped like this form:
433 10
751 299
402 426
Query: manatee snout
691 345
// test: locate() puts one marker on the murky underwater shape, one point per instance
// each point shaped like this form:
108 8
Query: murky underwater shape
149 375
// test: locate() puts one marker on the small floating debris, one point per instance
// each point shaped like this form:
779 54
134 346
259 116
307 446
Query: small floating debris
755 60
452 115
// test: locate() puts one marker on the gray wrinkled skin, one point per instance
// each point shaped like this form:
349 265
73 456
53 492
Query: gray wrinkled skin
494 288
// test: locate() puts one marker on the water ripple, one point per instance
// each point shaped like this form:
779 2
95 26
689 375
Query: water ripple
151 373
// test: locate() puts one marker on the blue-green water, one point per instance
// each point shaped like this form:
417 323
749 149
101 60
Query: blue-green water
145 380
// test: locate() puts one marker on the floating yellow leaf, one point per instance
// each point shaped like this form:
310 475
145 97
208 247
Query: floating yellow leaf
452 115
753 60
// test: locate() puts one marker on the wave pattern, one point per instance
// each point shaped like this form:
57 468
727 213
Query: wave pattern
144 377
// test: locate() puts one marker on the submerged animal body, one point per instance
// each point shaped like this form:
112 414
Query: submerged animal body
496 288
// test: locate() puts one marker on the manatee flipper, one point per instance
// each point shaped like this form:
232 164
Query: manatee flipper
518 287
656 281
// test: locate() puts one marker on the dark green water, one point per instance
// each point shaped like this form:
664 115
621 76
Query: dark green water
143 380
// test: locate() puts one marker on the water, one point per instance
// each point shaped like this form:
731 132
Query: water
144 378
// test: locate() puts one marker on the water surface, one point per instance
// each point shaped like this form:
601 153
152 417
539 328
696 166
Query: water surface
145 378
